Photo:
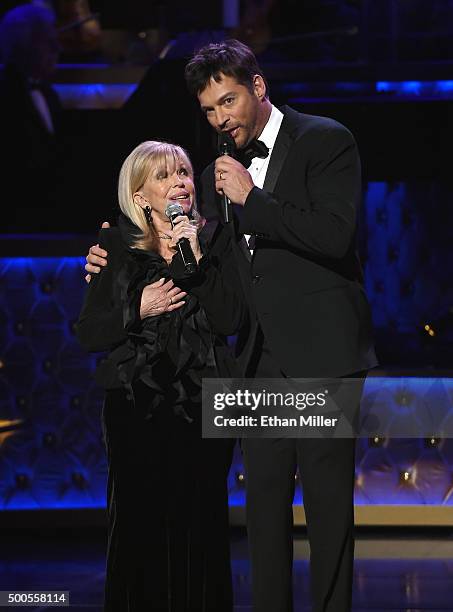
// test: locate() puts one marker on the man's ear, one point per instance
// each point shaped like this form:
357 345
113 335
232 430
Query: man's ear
259 86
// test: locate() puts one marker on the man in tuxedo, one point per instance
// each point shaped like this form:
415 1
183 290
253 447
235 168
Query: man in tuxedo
293 254
294 249
29 115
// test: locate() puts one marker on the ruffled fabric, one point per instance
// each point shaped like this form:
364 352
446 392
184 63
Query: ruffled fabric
169 353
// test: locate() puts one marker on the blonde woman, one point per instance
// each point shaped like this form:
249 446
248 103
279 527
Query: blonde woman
167 499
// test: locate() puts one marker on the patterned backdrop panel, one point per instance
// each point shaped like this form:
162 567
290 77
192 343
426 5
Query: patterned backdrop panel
408 252
51 448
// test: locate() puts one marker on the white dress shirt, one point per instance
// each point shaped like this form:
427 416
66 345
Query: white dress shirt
258 167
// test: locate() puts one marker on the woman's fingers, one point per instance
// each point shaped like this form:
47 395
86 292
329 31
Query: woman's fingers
180 219
174 292
158 283
185 226
188 232
178 296
175 300
175 306
162 296
183 223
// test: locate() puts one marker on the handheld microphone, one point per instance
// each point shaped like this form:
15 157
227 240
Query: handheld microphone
172 211
226 146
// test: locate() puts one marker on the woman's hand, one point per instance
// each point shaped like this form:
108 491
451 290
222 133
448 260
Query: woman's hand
159 297
185 229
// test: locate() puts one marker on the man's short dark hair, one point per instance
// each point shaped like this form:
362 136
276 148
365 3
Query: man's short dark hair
231 58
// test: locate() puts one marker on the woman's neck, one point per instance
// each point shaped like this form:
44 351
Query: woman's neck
163 227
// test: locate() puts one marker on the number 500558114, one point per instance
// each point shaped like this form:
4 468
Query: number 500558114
55 598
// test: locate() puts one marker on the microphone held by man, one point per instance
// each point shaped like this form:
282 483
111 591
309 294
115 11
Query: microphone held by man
226 146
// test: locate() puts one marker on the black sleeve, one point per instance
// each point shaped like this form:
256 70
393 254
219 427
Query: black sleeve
325 223
101 325
217 285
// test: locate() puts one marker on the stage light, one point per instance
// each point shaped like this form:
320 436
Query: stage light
359 479
413 87
8 428
432 442
431 89
376 441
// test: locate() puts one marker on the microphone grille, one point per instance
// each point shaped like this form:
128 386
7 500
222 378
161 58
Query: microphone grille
174 209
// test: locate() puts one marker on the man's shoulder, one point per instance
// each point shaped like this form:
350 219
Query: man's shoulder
303 123
208 172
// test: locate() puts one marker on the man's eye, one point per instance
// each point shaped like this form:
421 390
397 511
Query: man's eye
229 100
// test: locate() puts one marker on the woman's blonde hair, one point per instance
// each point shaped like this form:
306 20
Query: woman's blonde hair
146 157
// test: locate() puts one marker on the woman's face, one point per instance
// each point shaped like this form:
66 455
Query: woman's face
165 185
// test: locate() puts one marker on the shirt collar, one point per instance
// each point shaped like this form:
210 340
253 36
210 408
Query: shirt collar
272 127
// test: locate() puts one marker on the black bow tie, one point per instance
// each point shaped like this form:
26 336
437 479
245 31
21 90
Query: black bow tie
255 148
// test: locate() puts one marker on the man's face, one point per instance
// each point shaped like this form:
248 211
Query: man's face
232 107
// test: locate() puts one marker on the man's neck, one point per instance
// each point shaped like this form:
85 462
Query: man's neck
266 113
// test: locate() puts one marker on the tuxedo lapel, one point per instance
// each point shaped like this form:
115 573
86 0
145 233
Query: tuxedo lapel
278 157
279 154
243 247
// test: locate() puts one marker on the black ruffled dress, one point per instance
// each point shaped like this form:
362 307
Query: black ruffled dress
168 546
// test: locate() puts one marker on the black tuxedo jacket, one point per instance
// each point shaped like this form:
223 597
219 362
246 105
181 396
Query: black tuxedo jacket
31 151
304 283
22 126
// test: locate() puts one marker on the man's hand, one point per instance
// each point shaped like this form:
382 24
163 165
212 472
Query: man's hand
160 297
185 229
96 258
232 179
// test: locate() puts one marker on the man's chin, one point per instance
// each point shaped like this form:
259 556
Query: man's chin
241 142
240 138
